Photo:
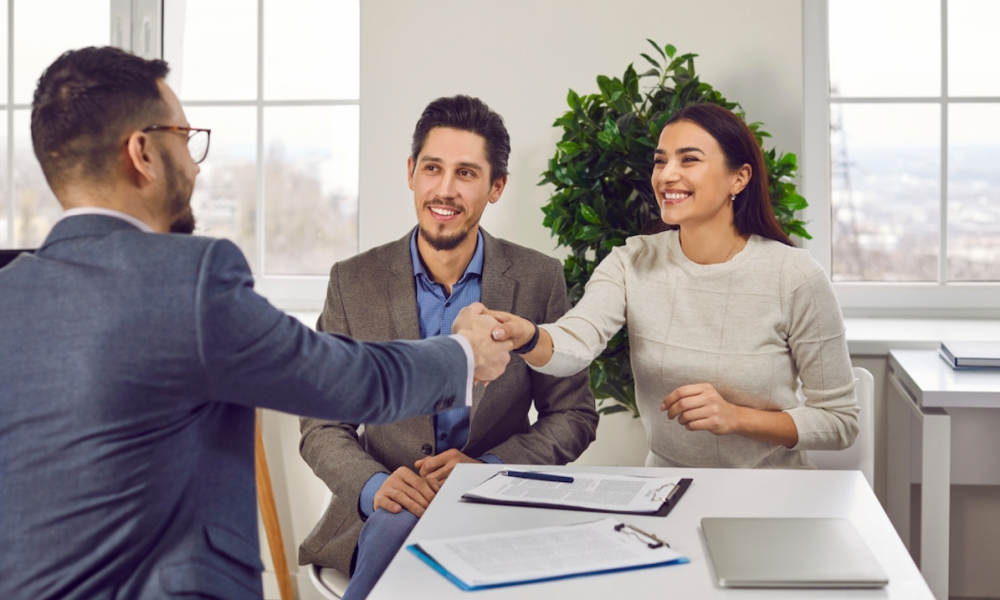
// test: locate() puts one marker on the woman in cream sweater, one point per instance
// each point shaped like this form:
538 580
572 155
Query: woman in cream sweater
725 315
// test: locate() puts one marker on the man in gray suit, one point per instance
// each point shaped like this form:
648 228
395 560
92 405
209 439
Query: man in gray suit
131 360
384 478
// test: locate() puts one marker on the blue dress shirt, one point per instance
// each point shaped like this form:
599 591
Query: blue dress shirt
436 311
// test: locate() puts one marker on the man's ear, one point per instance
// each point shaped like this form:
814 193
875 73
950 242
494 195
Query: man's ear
138 150
409 171
496 188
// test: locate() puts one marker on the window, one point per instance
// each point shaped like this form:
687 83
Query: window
278 84
903 107
30 39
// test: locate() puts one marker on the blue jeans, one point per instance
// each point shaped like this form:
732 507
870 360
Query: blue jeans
381 537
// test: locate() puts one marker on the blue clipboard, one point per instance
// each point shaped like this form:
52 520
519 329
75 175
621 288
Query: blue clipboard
429 561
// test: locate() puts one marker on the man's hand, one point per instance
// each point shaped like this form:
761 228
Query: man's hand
512 327
405 489
477 327
699 407
437 468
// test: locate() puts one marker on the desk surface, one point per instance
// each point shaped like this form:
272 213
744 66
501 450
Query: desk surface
714 493
935 384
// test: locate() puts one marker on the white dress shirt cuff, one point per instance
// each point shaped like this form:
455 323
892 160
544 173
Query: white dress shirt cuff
470 359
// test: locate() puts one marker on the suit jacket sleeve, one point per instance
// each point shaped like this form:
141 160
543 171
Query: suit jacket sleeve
332 448
253 354
567 413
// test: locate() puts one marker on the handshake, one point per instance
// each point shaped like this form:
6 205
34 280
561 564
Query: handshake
492 337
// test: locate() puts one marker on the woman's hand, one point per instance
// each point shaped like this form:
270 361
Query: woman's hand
516 329
700 407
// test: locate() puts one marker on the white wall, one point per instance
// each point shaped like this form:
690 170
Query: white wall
521 57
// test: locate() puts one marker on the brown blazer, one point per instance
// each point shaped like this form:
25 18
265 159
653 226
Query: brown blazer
372 297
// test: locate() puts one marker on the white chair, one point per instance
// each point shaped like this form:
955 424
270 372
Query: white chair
861 455
330 583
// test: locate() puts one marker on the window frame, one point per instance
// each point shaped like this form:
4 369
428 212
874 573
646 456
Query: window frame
940 299
287 292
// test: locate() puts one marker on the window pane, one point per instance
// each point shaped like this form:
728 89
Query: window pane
3 56
867 37
40 37
885 176
972 66
6 237
211 46
311 49
310 188
36 209
225 198
974 192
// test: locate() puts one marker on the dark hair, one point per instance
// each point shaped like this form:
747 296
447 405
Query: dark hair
752 211
84 103
466 114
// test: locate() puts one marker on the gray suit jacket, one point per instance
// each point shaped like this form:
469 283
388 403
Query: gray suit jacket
372 297
130 364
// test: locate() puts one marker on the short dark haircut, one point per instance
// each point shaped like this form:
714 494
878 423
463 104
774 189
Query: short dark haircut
752 212
466 114
85 102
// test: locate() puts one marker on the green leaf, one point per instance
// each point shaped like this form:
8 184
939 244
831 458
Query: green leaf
589 232
589 215
657 46
650 59
670 50
568 147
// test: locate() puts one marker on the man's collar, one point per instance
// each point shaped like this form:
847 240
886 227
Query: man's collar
475 265
107 212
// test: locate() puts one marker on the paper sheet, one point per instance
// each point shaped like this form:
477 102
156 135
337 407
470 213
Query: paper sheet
613 493
544 553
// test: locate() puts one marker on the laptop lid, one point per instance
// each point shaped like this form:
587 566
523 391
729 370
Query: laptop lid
791 553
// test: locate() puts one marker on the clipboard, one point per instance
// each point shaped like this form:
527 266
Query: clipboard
668 504
659 554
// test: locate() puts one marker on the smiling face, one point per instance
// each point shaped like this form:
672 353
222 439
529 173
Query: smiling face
451 186
692 182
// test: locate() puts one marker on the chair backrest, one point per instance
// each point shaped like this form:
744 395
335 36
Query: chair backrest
861 455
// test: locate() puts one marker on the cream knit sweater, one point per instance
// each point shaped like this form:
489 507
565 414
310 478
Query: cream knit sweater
752 327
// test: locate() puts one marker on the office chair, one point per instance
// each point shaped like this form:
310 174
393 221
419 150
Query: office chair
861 455
330 583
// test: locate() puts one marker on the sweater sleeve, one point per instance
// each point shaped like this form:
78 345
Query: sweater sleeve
828 419
583 332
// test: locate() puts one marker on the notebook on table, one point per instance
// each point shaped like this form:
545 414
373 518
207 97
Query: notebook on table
971 355
791 553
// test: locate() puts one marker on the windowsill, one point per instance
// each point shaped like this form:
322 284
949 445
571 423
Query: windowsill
878 336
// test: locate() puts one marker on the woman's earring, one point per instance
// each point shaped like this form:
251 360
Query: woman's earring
732 198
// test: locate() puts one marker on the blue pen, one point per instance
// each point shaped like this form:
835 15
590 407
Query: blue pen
539 476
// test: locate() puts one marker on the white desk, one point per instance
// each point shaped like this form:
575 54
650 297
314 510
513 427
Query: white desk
926 387
714 493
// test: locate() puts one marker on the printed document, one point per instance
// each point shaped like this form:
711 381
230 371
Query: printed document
611 493
545 553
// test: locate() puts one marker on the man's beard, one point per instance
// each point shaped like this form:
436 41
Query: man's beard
179 191
443 243
439 242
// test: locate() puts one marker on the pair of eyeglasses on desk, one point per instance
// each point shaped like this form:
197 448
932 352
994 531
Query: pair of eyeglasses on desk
198 139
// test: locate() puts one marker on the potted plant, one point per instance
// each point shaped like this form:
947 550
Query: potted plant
601 173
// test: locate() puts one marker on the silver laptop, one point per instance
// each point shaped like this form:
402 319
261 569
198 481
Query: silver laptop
791 553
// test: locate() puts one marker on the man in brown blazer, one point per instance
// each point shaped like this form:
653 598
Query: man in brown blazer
385 477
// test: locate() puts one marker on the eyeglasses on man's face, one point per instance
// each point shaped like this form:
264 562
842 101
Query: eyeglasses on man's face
198 139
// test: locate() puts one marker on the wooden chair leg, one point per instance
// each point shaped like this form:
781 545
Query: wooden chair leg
269 514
